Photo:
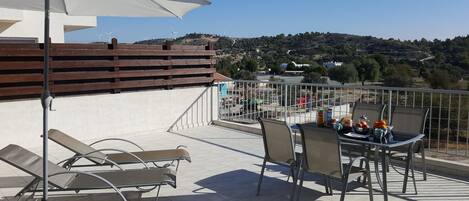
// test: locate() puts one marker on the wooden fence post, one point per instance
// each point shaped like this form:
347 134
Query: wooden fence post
115 59
170 66
210 47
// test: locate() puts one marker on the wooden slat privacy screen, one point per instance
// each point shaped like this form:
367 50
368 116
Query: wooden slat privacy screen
102 68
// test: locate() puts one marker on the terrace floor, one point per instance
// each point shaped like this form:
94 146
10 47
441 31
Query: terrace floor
226 166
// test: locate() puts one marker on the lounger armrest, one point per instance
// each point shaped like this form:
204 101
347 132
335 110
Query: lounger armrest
72 160
94 176
117 139
125 152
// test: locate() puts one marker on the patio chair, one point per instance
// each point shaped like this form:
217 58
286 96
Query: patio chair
322 154
279 148
97 156
407 123
61 179
373 112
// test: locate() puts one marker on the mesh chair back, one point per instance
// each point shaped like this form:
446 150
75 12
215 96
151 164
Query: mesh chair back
32 164
76 146
321 150
374 112
409 121
278 142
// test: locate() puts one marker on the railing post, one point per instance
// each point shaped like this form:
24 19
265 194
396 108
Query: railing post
211 103
285 103
389 106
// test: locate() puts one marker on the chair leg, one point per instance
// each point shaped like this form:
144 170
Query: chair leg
344 187
330 186
406 175
301 175
368 155
158 193
326 184
388 160
260 178
424 164
295 180
413 175
368 178
361 167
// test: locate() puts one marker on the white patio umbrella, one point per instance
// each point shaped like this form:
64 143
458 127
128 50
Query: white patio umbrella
128 8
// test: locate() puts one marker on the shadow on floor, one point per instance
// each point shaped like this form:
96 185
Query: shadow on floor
242 185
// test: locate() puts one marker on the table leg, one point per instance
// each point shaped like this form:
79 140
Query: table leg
384 168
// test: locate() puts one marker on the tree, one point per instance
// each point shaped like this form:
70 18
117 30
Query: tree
315 67
225 66
223 43
368 70
245 75
344 74
382 61
249 64
439 79
398 76
312 77
291 66
275 69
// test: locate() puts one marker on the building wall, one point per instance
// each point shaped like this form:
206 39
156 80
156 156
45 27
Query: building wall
19 23
96 116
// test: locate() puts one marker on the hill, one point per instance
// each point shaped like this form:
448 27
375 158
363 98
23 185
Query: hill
421 56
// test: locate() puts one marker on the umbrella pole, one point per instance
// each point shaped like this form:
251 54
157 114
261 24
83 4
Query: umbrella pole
45 101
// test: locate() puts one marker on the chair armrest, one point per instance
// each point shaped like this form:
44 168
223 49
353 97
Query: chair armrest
117 139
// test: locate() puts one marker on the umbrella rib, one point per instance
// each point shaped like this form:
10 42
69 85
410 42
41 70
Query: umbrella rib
166 9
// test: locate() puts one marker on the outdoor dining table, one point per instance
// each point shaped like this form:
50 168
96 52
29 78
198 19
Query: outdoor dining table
380 148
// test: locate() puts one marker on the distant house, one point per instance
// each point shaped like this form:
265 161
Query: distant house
26 26
331 64
285 65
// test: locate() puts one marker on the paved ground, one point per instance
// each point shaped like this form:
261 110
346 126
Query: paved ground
226 166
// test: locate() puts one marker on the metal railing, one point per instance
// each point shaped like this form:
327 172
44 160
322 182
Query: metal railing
447 126
199 113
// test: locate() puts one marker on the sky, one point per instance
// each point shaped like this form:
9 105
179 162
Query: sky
399 19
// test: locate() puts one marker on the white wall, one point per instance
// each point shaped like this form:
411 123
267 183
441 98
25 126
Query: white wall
31 24
95 116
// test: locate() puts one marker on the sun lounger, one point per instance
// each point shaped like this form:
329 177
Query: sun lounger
97 156
61 179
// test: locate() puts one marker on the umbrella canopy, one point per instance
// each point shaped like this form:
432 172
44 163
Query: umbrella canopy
128 8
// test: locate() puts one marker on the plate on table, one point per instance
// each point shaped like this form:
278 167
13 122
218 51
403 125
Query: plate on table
356 135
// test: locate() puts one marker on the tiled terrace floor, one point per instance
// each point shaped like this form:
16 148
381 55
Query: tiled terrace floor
226 165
